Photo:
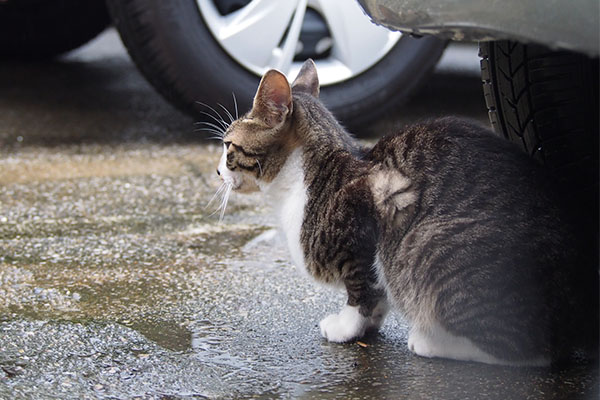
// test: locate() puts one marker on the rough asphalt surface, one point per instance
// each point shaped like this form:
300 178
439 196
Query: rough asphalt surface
117 282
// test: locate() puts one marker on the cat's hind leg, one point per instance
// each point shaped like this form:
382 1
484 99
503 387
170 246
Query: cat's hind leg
435 341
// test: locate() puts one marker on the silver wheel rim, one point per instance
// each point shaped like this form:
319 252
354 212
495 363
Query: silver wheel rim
265 34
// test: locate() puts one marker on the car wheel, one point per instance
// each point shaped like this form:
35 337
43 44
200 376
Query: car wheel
38 29
547 102
204 50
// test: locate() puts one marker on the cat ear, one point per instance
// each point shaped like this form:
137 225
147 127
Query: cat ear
307 80
273 100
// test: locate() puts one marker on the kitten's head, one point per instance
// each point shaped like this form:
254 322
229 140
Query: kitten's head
256 145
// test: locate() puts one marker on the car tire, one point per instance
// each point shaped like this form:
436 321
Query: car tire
40 29
175 50
546 101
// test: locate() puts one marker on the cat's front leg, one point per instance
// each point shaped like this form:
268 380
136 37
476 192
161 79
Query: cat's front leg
353 321
348 324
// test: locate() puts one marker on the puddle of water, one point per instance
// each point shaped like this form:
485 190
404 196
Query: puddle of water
170 335
124 282
208 343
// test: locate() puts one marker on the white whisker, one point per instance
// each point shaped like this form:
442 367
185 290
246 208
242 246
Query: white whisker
259 167
217 193
213 213
219 138
224 191
210 124
235 105
217 134
225 200
231 119
221 121
209 129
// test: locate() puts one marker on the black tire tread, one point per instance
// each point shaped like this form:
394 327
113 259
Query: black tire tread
545 101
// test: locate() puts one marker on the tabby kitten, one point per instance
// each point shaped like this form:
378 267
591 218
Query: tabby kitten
443 221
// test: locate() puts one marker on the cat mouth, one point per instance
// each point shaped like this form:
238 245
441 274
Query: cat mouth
234 184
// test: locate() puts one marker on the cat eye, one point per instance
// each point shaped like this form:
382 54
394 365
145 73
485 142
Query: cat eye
227 144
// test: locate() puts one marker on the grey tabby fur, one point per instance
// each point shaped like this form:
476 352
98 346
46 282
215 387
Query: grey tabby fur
443 221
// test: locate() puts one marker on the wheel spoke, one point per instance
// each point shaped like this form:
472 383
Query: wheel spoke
252 32
284 56
356 40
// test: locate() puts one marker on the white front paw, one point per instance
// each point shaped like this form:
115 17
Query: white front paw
345 326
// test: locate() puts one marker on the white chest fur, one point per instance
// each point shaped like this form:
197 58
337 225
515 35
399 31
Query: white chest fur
288 193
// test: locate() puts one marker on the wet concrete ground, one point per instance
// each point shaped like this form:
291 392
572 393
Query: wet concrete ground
117 282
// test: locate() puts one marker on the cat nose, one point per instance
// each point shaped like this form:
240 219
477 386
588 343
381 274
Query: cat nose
218 172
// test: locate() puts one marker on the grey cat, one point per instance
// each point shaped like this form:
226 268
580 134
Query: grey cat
443 221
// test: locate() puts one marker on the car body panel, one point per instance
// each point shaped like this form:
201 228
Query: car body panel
559 24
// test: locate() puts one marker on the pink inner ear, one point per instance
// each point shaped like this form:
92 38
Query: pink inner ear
280 95
274 90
